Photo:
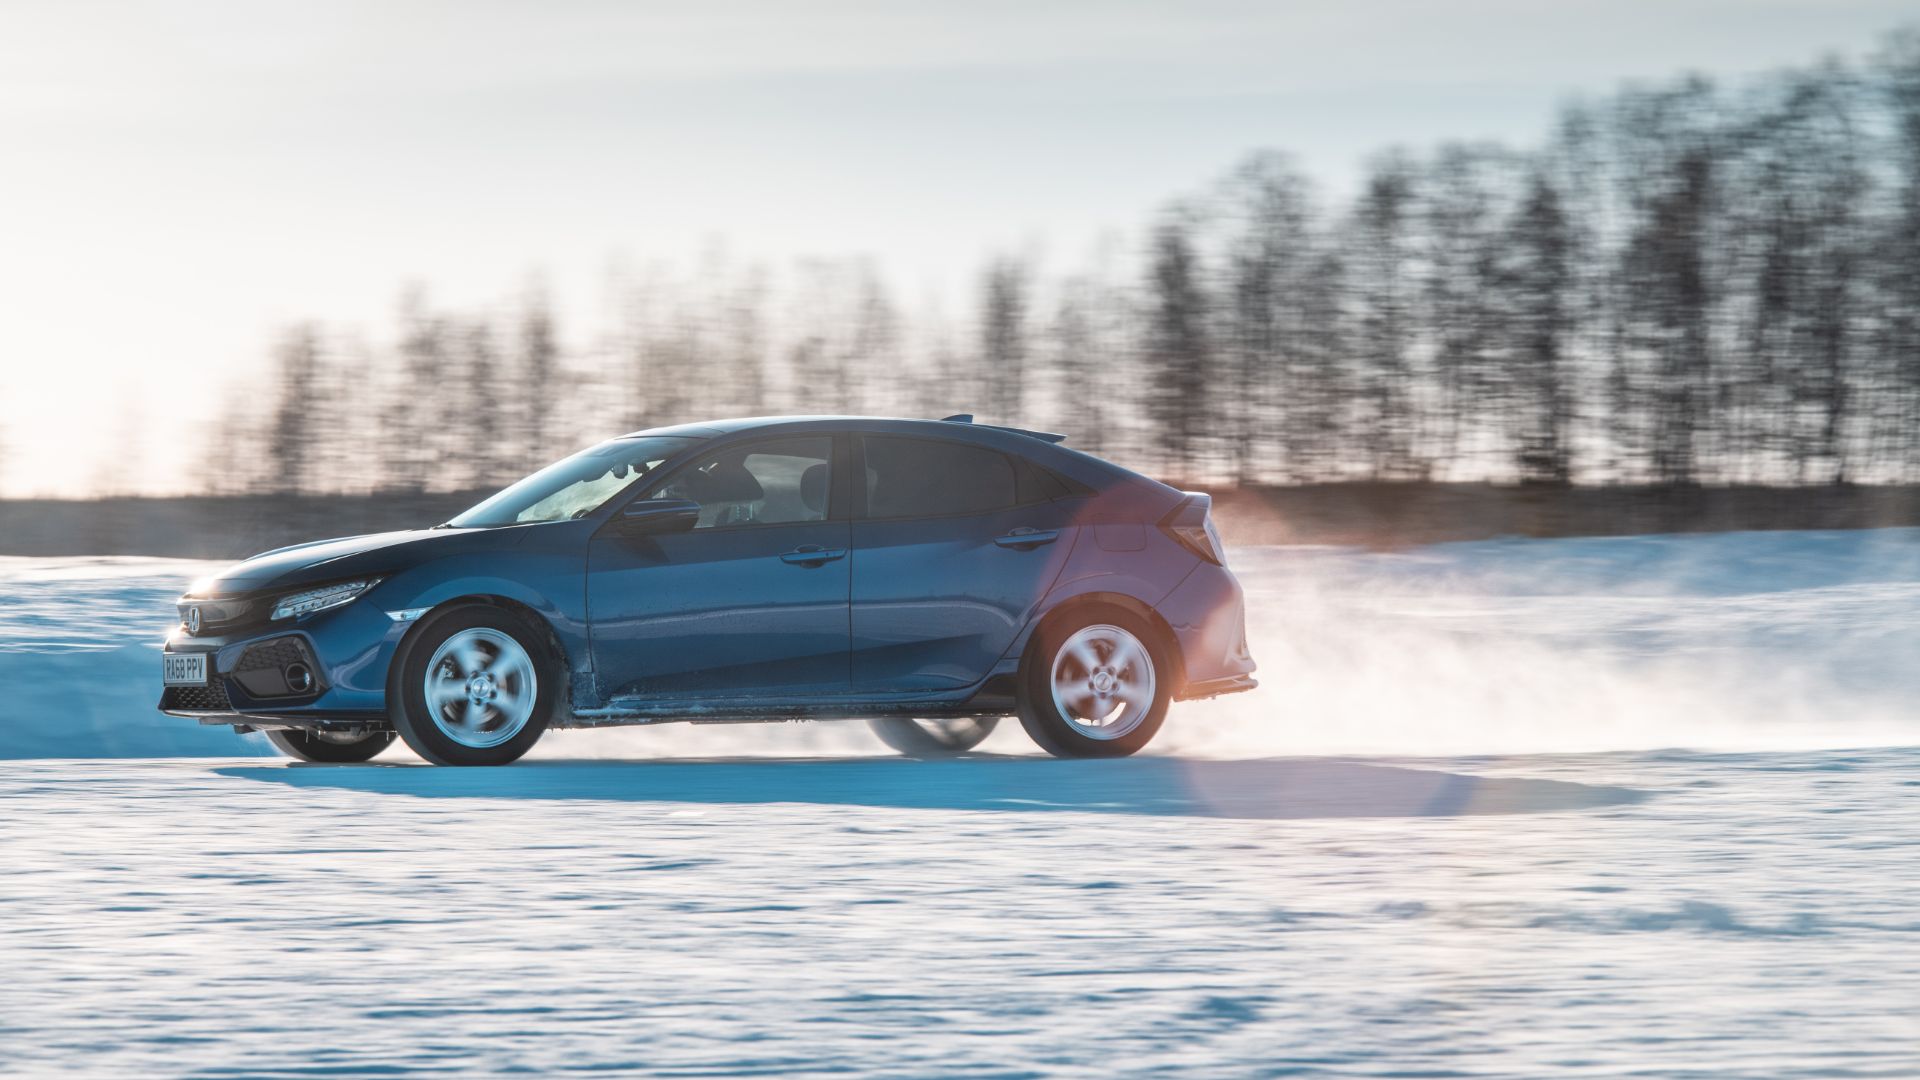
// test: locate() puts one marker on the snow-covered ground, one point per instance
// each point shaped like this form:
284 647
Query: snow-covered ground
1599 807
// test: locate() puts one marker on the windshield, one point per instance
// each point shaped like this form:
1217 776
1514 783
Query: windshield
575 486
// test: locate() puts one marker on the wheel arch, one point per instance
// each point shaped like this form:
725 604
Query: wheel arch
1163 633
526 613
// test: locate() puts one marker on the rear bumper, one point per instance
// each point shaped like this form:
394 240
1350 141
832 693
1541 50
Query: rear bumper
1207 613
1232 684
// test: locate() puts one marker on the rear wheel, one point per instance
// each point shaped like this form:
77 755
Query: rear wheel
1094 685
933 738
474 688
334 747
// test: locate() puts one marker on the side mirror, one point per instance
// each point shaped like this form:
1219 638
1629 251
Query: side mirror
648 517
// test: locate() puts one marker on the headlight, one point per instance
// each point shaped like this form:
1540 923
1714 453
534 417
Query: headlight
322 598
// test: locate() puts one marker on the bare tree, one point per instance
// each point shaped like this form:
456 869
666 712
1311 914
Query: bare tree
1664 359
1268 255
538 381
1178 352
415 412
1538 280
873 337
1897 276
290 441
1003 338
1316 428
844 325
484 458
1381 274
1462 241
744 366
1076 358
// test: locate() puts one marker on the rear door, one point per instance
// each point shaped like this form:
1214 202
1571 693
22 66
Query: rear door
953 546
752 602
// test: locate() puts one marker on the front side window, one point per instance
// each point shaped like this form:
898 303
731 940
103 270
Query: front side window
926 478
575 486
771 483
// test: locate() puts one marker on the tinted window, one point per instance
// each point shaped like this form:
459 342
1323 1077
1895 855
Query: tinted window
1039 484
770 483
922 478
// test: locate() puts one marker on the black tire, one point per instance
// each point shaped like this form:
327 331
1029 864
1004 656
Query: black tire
407 704
933 738
1042 717
330 748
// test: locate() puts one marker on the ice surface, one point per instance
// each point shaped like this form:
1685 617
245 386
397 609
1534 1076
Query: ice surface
782 900
80 660
1663 914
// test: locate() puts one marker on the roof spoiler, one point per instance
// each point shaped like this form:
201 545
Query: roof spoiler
967 418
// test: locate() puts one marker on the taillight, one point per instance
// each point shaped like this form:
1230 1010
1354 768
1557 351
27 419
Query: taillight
1191 524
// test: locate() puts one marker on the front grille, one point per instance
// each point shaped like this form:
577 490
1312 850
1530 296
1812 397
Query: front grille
209 698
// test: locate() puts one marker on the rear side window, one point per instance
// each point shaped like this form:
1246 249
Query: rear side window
923 478
1039 483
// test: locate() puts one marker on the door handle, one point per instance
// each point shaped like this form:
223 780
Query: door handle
812 555
1024 538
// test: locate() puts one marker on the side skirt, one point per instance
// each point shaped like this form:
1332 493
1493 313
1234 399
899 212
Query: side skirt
700 712
994 698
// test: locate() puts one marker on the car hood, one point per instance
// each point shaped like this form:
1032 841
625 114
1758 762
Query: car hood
331 560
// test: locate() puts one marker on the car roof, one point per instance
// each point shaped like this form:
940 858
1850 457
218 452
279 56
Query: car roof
714 428
708 429
1034 445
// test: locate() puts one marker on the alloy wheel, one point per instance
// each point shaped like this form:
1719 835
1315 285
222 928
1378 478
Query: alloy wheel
481 687
1103 681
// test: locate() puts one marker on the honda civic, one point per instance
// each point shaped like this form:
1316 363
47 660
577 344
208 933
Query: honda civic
929 576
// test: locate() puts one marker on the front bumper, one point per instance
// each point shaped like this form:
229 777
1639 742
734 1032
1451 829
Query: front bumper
254 678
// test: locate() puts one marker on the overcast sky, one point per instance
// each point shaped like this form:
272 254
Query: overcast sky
178 180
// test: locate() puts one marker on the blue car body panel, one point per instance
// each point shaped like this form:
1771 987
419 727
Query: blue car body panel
919 614
937 602
701 614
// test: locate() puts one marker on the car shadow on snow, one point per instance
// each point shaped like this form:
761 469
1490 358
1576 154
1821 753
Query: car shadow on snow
1271 788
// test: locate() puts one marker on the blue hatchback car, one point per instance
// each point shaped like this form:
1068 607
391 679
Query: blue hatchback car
931 576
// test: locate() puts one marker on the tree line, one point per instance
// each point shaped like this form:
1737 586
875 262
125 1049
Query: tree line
1682 284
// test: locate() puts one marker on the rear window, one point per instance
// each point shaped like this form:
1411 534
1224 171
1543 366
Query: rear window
924 478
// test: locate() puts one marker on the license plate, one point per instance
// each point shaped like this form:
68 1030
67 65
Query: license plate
183 669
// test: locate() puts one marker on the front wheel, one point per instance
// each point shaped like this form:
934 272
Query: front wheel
1094 684
331 747
933 738
474 688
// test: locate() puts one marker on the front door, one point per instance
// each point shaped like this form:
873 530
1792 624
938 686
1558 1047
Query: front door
949 560
750 603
